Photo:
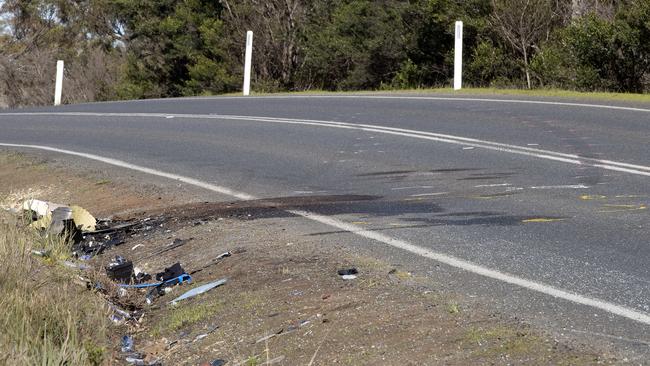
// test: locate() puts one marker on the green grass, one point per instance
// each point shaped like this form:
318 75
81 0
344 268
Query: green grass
46 319
102 182
183 316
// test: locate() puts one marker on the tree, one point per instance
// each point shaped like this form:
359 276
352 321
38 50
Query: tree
524 23
277 27
360 44
37 33
174 48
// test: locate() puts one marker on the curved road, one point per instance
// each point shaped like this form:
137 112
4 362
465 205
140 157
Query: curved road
538 207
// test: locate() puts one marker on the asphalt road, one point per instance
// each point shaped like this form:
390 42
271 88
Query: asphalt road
553 194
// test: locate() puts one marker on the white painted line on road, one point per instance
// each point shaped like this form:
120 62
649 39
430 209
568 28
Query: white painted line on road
568 186
413 187
451 139
609 307
493 185
429 194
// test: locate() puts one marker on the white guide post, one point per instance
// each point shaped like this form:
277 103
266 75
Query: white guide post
458 57
58 88
247 62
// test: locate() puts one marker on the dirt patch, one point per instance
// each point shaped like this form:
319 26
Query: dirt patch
283 302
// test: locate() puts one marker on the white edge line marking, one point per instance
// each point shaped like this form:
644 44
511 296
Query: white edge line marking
396 243
489 145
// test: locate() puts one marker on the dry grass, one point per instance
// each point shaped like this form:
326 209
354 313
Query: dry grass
542 92
46 318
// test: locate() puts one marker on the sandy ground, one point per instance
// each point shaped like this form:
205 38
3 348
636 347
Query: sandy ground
283 302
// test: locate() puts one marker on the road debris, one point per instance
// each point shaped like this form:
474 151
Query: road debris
218 362
199 290
83 220
120 270
269 336
223 255
348 274
127 344
173 271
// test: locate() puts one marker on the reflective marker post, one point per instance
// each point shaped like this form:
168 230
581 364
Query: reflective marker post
58 88
458 56
247 62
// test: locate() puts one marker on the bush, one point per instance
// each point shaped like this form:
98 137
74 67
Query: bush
490 65
607 54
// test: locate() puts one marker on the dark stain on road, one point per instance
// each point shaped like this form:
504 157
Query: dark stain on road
365 205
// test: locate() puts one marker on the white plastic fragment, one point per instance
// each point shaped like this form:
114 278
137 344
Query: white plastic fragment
41 208
199 290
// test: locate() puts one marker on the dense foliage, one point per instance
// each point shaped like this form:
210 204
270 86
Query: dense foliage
162 48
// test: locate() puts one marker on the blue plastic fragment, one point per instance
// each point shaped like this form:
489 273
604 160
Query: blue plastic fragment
127 344
199 290
176 280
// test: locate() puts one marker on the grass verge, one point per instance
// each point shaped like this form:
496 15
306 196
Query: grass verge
548 93
46 318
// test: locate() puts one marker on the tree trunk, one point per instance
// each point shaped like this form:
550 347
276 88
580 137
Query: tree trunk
576 9
526 68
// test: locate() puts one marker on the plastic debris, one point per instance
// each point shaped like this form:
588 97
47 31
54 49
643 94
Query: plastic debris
199 290
135 361
348 274
41 253
40 208
140 276
218 362
200 336
120 270
215 261
57 218
83 220
127 344
173 271
117 319
224 255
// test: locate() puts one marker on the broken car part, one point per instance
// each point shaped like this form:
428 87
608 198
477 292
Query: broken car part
199 290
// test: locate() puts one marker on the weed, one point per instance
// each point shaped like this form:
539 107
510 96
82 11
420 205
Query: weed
453 308
102 182
95 353
252 361
187 315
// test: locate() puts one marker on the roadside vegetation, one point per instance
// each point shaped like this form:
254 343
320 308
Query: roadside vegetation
46 318
122 49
